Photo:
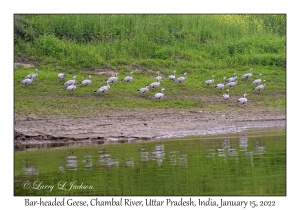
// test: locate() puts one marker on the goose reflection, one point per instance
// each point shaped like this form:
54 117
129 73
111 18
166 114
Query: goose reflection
259 148
30 170
88 162
106 160
70 163
158 154
175 158
129 162
226 149
243 141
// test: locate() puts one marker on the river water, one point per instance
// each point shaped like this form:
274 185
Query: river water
239 164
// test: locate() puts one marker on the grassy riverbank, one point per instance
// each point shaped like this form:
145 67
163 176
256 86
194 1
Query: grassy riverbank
99 45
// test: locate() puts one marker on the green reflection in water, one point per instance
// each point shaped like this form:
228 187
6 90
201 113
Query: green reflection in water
194 167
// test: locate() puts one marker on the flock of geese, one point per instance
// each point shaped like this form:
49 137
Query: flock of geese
230 82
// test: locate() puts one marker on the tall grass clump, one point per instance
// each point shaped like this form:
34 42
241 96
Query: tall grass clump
178 38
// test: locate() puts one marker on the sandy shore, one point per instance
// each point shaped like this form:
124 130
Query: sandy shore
144 124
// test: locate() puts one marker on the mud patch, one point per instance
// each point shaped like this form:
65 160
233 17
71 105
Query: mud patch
141 125
27 63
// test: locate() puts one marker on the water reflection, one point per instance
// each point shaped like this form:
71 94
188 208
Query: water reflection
31 145
129 162
106 160
173 157
183 160
145 156
30 170
228 150
259 148
88 162
243 143
69 163
158 154
174 166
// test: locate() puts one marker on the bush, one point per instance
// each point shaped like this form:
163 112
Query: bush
208 41
23 29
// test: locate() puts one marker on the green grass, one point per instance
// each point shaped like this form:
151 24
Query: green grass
201 45
47 96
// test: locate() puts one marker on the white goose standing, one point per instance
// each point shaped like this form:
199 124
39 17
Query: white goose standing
226 95
155 84
233 78
248 75
172 77
221 85
257 81
34 76
87 81
113 79
144 90
181 79
260 87
210 81
243 100
159 95
103 89
70 82
158 77
128 78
